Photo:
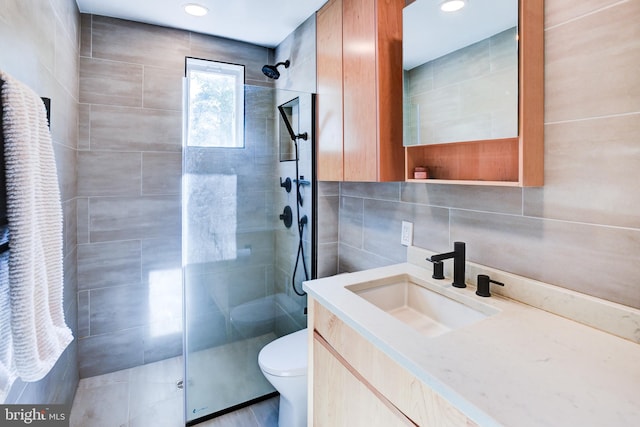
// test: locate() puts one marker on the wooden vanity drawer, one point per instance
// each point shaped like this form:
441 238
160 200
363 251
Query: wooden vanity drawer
412 397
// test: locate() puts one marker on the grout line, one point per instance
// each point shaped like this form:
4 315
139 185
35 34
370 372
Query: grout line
88 220
129 372
338 233
449 224
142 194
591 224
540 218
139 108
89 129
362 224
391 261
60 20
144 69
585 119
106 242
88 313
593 12
90 35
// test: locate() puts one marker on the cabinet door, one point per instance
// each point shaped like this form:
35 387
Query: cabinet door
341 399
359 83
360 97
372 72
329 100
389 90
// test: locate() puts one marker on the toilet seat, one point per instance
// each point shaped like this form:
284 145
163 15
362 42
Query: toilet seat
286 356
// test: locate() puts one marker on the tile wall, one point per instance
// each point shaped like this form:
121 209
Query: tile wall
40 40
129 169
296 81
580 231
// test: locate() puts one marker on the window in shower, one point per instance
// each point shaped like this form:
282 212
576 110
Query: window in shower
215 114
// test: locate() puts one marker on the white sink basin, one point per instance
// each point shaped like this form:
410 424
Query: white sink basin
422 305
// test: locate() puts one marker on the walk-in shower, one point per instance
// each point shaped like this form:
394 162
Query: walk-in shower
238 257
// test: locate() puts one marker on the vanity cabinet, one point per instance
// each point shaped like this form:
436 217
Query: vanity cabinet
359 83
351 382
343 398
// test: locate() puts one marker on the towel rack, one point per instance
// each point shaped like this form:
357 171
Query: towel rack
3 187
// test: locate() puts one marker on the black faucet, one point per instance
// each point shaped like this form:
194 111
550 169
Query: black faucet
458 256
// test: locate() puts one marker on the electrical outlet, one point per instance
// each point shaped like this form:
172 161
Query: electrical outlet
406 238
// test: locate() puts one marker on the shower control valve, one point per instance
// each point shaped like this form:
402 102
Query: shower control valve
286 184
287 216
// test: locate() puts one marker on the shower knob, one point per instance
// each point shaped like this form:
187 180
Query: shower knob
287 217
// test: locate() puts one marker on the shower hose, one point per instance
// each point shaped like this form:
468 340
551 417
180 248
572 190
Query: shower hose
301 223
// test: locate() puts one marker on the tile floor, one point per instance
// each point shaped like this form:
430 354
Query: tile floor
147 395
219 377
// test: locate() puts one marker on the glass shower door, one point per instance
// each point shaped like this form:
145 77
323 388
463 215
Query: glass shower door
233 305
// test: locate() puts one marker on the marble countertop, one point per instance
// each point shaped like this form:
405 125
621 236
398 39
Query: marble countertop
520 367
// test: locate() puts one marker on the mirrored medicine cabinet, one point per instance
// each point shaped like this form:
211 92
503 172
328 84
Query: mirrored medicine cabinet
473 92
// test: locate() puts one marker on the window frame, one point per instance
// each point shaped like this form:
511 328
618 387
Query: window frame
222 68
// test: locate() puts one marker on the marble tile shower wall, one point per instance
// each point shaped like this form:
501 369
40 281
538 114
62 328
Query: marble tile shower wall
580 231
129 168
40 40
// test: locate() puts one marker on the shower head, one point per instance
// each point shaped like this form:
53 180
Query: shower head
272 72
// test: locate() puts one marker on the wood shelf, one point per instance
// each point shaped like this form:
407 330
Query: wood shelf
466 182
492 160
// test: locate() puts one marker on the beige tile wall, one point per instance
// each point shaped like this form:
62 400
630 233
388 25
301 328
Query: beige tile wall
39 46
581 230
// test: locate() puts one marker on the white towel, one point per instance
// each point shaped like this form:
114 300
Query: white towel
34 212
7 365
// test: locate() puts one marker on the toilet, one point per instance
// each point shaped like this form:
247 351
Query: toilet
284 363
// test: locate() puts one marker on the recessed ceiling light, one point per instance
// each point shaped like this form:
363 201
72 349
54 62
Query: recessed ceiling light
452 5
195 9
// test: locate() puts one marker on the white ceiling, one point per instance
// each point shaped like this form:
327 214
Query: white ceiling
428 32
265 23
